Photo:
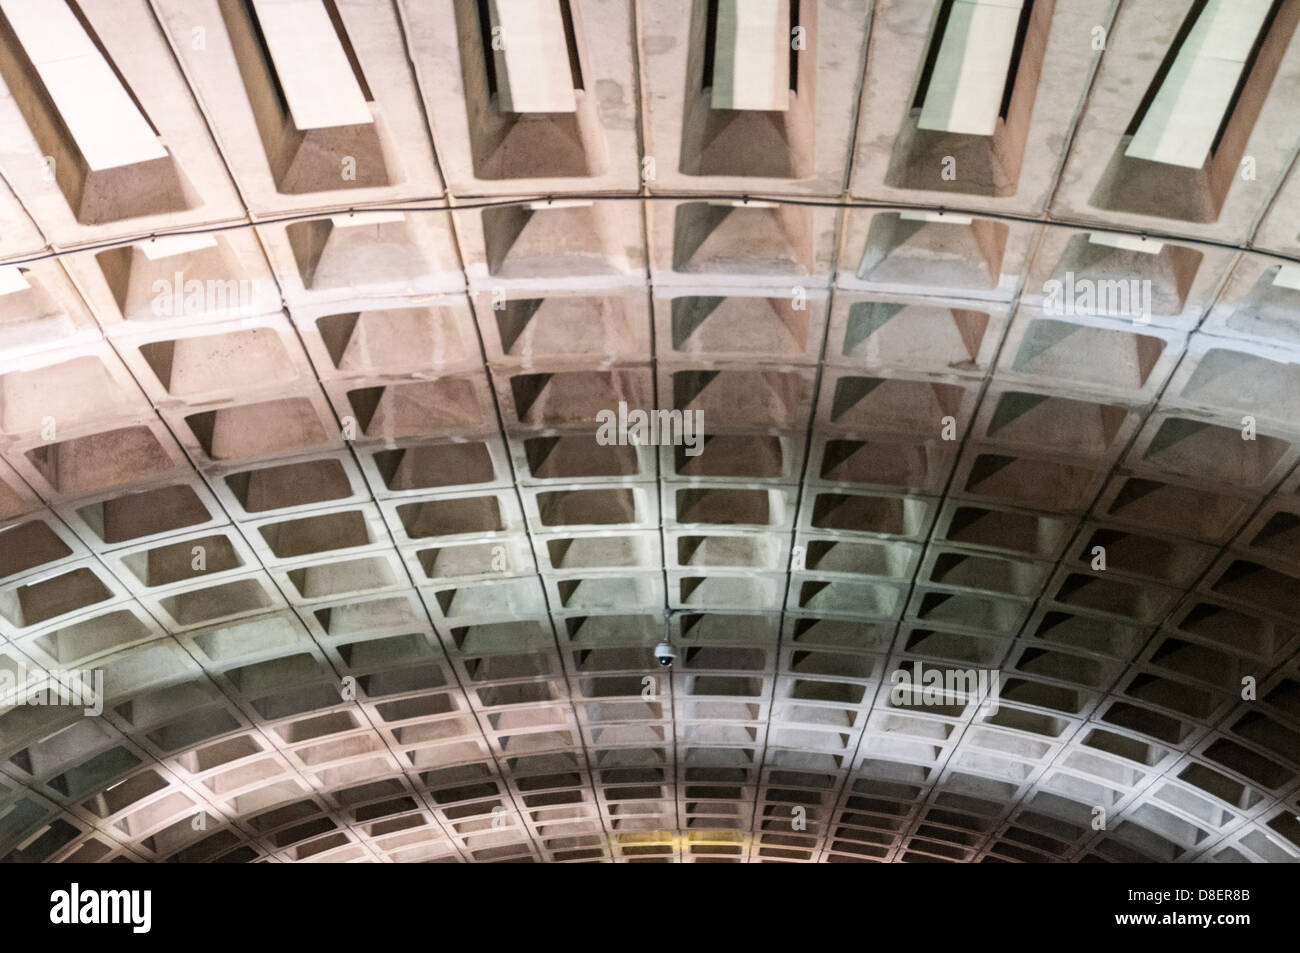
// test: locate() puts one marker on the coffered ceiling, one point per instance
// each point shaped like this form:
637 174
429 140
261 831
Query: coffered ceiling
989 312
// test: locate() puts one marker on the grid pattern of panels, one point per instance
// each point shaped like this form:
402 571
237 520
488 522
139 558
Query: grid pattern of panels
301 446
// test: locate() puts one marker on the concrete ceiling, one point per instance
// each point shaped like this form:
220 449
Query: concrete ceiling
308 312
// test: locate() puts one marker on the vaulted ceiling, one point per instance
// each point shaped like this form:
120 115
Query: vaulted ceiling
990 314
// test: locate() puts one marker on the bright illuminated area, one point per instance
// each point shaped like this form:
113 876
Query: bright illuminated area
531 54
1184 118
311 64
966 88
751 55
649 432
90 98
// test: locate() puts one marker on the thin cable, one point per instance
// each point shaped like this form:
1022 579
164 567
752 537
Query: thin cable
443 205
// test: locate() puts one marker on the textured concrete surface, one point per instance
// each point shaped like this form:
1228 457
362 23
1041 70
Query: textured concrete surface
298 450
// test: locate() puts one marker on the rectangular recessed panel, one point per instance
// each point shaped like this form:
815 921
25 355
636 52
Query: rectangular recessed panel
1181 123
531 53
108 126
751 55
965 91
311 64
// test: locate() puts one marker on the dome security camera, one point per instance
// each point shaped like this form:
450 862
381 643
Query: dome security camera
665 653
